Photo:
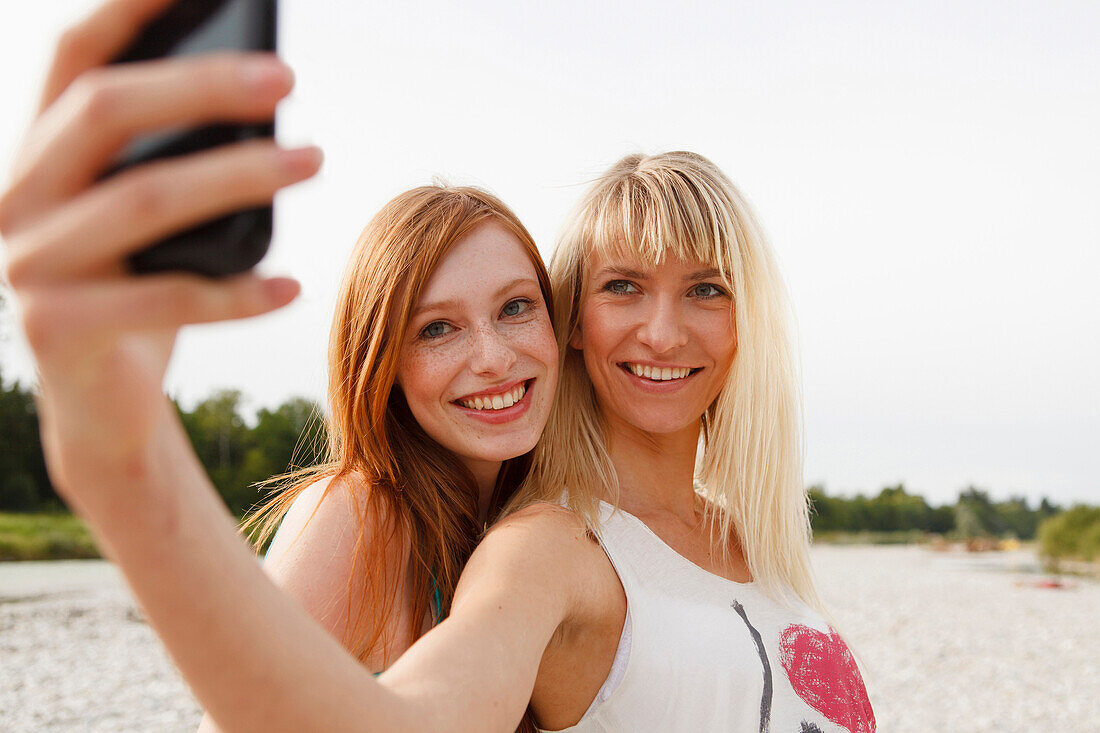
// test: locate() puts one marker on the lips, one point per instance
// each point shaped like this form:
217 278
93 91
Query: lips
658 373
496 401
499 399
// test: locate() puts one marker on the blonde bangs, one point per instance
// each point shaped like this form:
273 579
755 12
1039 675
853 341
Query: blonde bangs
658 214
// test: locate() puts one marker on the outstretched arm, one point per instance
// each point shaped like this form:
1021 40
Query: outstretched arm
257 661
522 584
252 655
313 559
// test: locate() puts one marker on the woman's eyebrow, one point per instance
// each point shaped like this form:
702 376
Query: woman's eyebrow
450 303
708 274
621 272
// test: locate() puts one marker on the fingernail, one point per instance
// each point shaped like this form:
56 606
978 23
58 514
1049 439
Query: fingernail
301 161
267 73
282 289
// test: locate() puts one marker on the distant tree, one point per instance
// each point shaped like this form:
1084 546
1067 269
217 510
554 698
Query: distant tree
861 515
1072 534
942 519
827 513
237 457
1017 517
975 514
24 482
1048 509
291 436
894 510
219 436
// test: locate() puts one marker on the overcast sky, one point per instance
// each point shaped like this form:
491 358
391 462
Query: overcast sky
929 173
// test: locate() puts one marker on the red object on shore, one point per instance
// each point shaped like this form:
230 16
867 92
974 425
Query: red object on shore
1051 583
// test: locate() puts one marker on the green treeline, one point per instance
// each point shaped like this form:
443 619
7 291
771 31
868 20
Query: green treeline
973 514
24 483
237 456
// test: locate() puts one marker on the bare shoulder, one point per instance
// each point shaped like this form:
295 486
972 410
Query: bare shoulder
322 552
542 517
545 531
327 514
543 550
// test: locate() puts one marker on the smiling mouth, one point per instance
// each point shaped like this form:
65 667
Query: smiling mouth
501 401
658 374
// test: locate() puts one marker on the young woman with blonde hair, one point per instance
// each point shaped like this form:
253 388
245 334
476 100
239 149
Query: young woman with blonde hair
641 604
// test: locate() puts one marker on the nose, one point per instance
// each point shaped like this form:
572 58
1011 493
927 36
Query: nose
662 328
491 353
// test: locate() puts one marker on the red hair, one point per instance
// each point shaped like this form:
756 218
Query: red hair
413 490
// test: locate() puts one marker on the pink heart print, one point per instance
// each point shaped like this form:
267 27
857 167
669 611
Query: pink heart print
824 674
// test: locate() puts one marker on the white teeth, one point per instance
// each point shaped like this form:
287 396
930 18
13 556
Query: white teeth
659 374
496 402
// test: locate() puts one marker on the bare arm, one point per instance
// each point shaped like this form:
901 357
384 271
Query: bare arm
252 655
257 661
114 444
521 584
313 560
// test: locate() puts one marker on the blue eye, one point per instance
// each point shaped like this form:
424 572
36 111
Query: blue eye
515 307
435 329
707 290
620 287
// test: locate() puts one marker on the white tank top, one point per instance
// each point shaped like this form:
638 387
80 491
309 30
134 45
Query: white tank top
702 653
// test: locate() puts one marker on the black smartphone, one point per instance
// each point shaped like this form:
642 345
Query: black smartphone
236 242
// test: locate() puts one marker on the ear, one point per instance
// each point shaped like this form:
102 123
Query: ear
576 339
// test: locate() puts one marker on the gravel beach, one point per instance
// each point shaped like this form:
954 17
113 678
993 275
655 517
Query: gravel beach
948 641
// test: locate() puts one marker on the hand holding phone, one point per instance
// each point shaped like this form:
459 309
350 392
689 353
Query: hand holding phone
234 242
101 336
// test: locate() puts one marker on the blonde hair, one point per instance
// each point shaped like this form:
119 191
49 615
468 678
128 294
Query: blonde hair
680 205
411 488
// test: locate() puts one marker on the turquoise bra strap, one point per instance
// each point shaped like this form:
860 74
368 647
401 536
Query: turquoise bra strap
437 602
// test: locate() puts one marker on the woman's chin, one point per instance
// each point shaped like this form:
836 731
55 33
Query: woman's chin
497 451
659 423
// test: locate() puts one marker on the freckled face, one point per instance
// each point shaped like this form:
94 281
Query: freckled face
479 364
658 342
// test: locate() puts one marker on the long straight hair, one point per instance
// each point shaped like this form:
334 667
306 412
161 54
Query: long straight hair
408 488
680 205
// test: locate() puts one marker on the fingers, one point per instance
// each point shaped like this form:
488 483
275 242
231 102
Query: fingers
91 234
79 136
55 317
95 41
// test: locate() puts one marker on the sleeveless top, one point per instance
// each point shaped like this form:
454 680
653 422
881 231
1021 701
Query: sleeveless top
699 652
